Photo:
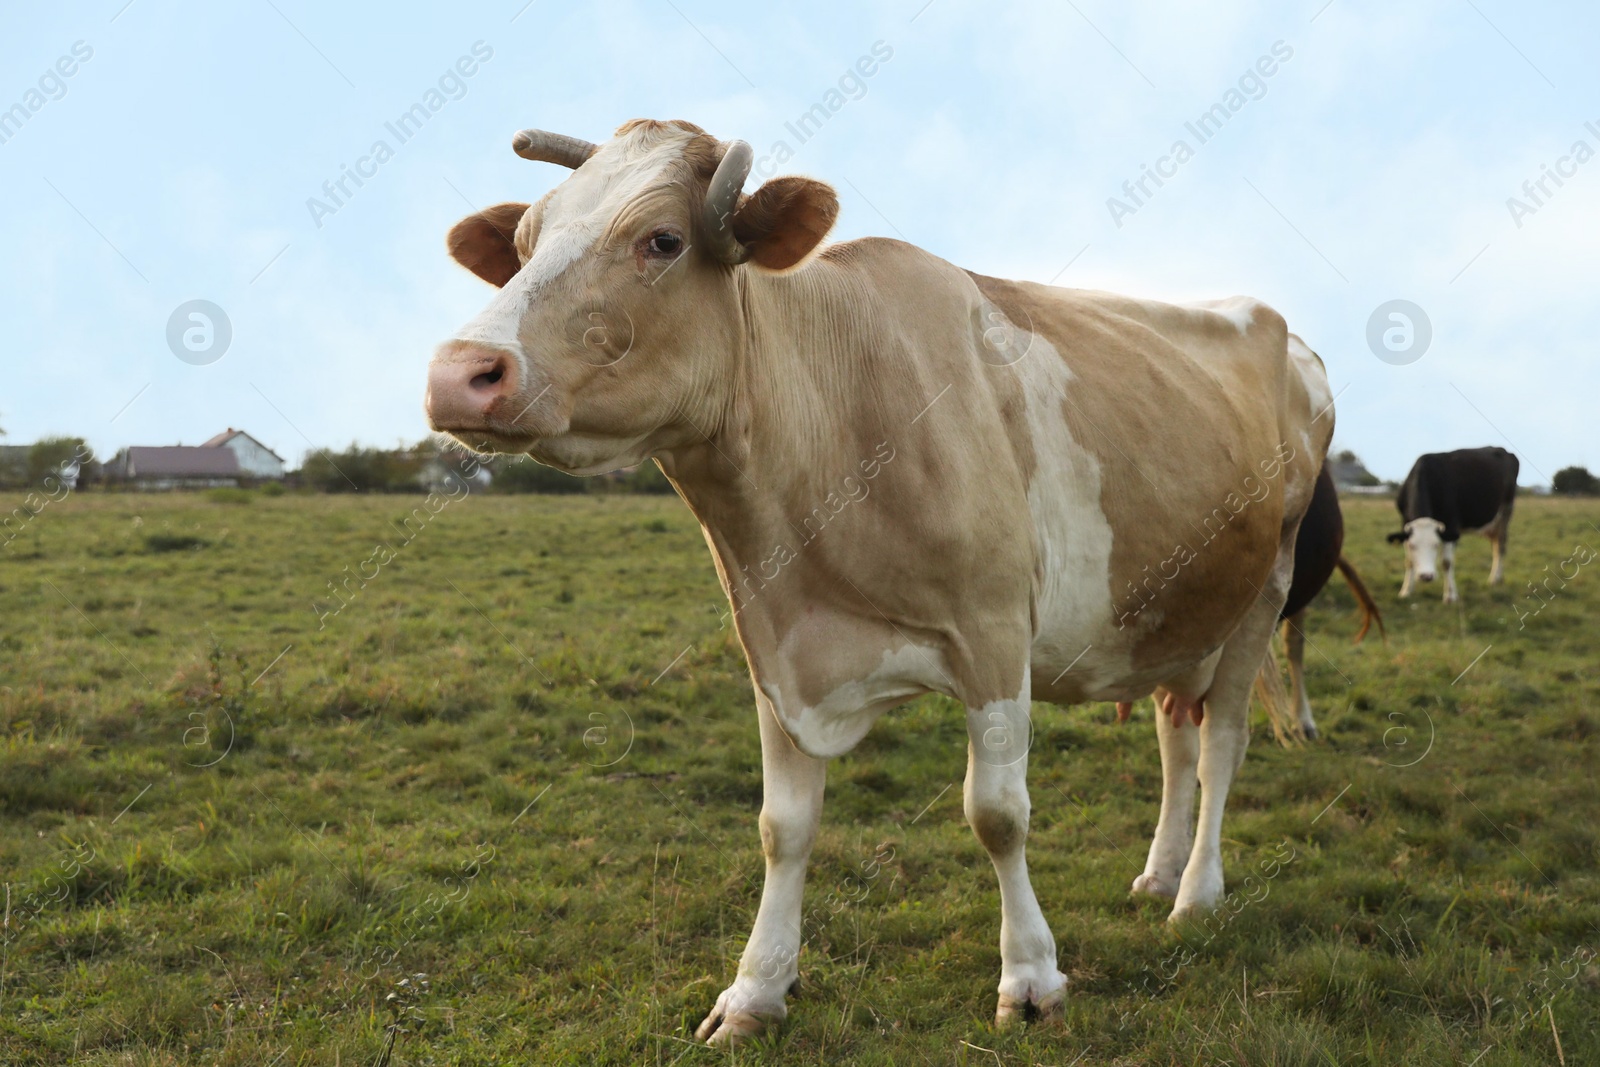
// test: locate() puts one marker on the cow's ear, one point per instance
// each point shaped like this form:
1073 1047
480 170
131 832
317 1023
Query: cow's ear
785 220
485 243
1396 538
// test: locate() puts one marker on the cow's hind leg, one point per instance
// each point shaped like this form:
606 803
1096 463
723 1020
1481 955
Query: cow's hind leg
1447 564
1225 733
997 808
1169 850
1497 538
791 807
1294 645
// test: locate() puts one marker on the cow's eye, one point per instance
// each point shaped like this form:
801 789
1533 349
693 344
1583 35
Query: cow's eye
665 244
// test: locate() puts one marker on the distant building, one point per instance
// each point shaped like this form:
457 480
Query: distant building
178 467
1350 473
447 473
256 460
229 458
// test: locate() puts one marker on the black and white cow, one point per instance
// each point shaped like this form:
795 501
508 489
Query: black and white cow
1448 494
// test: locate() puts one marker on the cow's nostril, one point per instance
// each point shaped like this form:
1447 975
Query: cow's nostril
488 378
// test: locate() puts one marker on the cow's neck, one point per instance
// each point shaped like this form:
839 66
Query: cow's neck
802 437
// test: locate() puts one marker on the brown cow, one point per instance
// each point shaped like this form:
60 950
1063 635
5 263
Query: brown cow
912 479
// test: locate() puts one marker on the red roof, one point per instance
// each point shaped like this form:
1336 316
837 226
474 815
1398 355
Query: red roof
229 434
181 461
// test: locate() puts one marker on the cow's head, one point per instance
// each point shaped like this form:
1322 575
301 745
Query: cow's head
1422 538
618 324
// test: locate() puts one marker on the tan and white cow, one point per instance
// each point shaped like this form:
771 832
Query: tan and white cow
912 479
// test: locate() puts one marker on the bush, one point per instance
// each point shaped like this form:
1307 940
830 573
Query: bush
524 475
228 495
362 470
51 455
1575 481
273 489
646 478
173 542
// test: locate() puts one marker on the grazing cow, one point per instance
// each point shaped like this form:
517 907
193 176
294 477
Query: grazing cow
912 479
1448 494
1317 551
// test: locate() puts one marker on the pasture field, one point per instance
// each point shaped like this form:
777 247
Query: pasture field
522 761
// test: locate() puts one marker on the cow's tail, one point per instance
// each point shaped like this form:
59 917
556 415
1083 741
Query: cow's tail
1369 606
1273 696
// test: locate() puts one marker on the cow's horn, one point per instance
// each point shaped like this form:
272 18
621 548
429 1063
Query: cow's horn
722 196
546 147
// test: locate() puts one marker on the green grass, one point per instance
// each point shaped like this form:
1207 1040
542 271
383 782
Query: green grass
521 760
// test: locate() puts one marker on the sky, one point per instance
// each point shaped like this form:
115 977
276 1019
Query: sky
184 158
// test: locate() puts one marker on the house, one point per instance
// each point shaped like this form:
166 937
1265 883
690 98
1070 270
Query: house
1350 474
256 460
227 459
177 467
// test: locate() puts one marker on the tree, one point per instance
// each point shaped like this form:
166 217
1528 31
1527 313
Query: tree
1575 481
362 470
647 478
54 455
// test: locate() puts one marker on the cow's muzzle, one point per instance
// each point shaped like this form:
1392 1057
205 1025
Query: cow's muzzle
473 387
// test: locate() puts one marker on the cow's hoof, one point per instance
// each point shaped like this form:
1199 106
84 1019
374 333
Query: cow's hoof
1014 1011
1200 894
1152 885
1195 908
1190 912
743 1010
732 1029
1308 730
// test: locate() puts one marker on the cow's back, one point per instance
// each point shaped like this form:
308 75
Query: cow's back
1467 489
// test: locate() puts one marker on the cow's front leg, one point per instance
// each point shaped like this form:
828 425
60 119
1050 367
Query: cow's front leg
997 809
791 805
1409 581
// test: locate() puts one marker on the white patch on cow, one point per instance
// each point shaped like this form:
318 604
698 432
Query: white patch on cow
1423 540
1315 376
1239 310
1074 537
836 723
1319 395
500 323
576 216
